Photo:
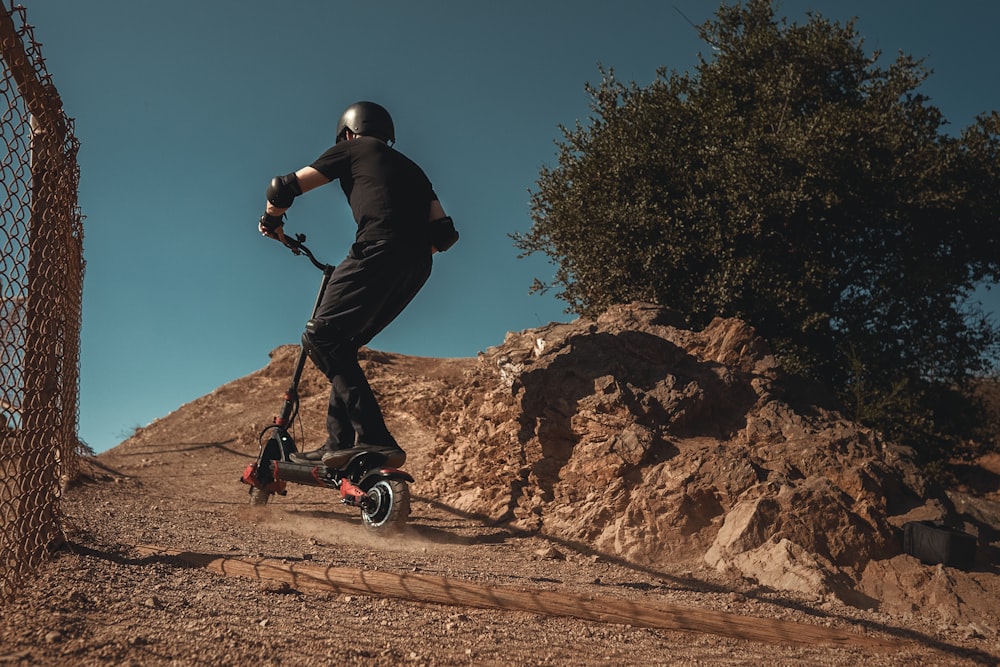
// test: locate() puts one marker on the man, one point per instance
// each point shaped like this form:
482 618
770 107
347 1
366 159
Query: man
400 225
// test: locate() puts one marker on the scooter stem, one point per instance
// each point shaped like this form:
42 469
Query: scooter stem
292 395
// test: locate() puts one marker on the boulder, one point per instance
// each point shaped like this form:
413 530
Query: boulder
636 435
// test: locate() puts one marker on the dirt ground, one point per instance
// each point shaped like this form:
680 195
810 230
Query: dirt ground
102 600
99 602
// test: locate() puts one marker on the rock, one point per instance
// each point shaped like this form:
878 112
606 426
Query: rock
642 438
783 565
277 587
932 510
550 553
903 585
983 512
746 527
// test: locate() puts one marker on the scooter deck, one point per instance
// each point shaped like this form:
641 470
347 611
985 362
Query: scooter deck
338 459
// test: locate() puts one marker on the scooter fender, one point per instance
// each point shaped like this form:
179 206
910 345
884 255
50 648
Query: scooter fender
278 447
252 477
374 476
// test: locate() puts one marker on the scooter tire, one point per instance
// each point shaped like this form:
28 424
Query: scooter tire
390 506
259 497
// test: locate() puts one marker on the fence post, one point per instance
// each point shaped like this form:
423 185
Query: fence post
41 295
40 412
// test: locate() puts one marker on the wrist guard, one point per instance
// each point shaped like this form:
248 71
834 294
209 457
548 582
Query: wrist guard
443 234
272 222
283 190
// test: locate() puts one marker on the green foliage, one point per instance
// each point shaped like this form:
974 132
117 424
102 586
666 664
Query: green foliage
793 182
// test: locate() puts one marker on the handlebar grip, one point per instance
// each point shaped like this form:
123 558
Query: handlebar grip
296 241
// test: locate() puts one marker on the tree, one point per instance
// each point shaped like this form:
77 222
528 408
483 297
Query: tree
792 182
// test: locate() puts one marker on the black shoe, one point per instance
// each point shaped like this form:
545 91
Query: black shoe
316 455
335 458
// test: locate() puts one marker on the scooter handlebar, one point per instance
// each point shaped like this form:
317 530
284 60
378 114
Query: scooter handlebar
297 244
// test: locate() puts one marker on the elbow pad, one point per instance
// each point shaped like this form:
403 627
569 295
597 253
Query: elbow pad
443 233
283 190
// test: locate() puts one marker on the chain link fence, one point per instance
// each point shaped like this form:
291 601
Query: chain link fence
41 284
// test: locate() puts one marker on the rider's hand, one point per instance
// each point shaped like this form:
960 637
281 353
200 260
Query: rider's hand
272 226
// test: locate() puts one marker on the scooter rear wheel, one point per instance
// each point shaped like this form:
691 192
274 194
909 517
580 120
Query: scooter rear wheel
390 505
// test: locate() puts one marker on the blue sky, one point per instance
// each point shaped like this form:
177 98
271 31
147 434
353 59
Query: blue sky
185 110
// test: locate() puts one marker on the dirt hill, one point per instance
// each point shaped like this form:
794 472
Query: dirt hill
625 460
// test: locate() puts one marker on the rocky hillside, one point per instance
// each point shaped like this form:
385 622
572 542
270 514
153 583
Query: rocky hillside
641 438
634 436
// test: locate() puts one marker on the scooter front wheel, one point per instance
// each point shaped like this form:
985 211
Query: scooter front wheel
259 496
388 505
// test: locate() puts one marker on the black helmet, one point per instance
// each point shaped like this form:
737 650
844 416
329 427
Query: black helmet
367 119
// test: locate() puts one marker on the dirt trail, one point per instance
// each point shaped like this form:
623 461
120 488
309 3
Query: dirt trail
104 601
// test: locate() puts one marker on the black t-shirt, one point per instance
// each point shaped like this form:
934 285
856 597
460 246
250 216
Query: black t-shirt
389 194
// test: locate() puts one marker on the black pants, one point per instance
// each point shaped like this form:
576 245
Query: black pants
366 292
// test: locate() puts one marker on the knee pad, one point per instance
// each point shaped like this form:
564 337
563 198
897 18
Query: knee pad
324 346
316 327
318 358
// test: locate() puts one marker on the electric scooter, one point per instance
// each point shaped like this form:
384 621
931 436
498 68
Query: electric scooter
366 477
